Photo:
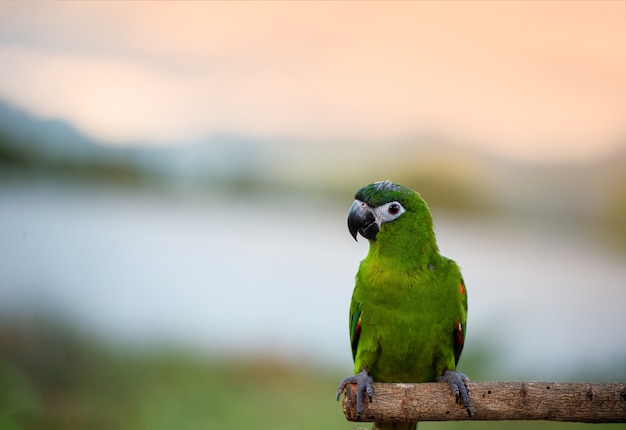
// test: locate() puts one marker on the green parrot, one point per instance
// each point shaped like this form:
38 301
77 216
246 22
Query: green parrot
409 306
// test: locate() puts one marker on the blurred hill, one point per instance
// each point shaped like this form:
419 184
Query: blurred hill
451 177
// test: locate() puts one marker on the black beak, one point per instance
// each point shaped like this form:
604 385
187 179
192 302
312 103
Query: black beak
361 220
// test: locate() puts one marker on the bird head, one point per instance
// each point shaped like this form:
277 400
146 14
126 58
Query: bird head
388 209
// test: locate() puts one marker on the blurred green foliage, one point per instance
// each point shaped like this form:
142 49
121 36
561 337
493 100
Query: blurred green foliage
53 378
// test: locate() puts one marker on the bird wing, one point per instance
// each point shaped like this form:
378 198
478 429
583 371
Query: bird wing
355 327
459 332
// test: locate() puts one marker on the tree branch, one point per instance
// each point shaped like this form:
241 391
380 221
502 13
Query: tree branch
434 401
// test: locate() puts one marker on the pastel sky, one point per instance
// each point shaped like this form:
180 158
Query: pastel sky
529 80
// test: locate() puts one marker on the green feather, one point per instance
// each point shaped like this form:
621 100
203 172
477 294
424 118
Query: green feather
355 329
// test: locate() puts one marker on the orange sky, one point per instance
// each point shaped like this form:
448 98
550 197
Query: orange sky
531 80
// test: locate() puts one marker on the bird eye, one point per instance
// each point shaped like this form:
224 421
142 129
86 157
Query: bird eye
393 209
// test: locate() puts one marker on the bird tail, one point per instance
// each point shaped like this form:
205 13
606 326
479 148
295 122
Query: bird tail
395 426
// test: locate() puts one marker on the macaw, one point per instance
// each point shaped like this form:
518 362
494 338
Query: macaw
409 305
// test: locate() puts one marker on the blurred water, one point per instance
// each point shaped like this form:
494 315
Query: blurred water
273 275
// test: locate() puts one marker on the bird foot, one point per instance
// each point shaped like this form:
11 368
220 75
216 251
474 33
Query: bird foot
364 389
458 381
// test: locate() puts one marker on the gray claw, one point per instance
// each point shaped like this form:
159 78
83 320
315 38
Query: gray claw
363 388
458 381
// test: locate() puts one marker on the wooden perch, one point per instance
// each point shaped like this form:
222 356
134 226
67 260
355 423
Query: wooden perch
553 401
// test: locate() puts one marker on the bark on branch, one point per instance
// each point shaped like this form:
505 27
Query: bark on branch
553 401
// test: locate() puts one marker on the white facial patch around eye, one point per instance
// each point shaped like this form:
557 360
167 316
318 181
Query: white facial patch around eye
389 212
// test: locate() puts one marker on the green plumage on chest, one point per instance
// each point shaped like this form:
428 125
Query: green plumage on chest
407 322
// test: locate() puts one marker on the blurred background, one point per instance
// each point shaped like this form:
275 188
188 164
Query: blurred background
175 179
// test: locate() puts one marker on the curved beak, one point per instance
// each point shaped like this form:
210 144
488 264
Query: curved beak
361 219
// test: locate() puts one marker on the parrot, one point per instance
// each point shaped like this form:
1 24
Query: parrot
408 312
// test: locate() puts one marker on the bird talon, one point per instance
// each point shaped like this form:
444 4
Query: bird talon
364 388
458 382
